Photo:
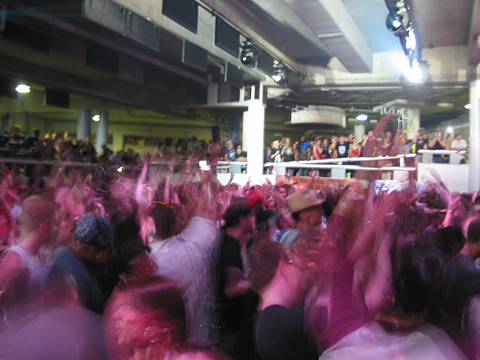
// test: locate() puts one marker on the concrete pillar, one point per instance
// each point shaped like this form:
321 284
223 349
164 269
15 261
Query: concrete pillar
358 131
254 135
102 131
474 140
6 122
83 124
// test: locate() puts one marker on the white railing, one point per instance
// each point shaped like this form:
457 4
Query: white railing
455 156
340 165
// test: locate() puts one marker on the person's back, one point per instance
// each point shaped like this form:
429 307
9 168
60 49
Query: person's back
462 277
279 328
374 342
188 259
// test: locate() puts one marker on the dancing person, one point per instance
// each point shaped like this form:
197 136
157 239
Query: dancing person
39 224
87 261
279 329
151 321
307 211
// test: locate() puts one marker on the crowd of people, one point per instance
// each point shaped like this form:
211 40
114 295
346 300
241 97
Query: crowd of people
101 264
384 141
373 144
66 147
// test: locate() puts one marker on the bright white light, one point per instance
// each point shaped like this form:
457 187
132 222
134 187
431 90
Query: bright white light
277 78
450 130
203 165
362 117
396 23
120 169
23 89
411 40
468 106
415 74
96 117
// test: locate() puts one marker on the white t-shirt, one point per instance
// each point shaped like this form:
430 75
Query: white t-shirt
458 144
372 342
189 260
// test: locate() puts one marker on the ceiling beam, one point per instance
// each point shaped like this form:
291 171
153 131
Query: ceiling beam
332 23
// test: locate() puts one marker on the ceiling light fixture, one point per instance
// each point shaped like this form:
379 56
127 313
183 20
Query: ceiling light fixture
96 117
249 54
279 73
468 106
362 117
23 89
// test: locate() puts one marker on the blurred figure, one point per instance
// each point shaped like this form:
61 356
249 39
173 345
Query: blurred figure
276 152
354 150
458 144
421 142
304 152
131 262
86 262
38 224
239 226
406 283
288 154
341 149
240 154
188 259
230 153
279 330
151 321
436 144
307 211
46 322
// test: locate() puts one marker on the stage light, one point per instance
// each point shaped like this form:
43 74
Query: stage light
411 40
468 106
393 24
279 73
23 89
362 117
398 23
96 117
249 54
416 73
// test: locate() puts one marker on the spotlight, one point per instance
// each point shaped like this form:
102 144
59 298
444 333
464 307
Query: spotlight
23 89
393 24
362 117
416 73
399 22
249 54
279 73
468 106
96 117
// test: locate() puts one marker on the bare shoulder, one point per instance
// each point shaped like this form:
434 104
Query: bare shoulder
10 264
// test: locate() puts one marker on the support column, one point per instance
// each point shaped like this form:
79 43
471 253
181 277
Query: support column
102 131
474 140
83 124
254 129
358 132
